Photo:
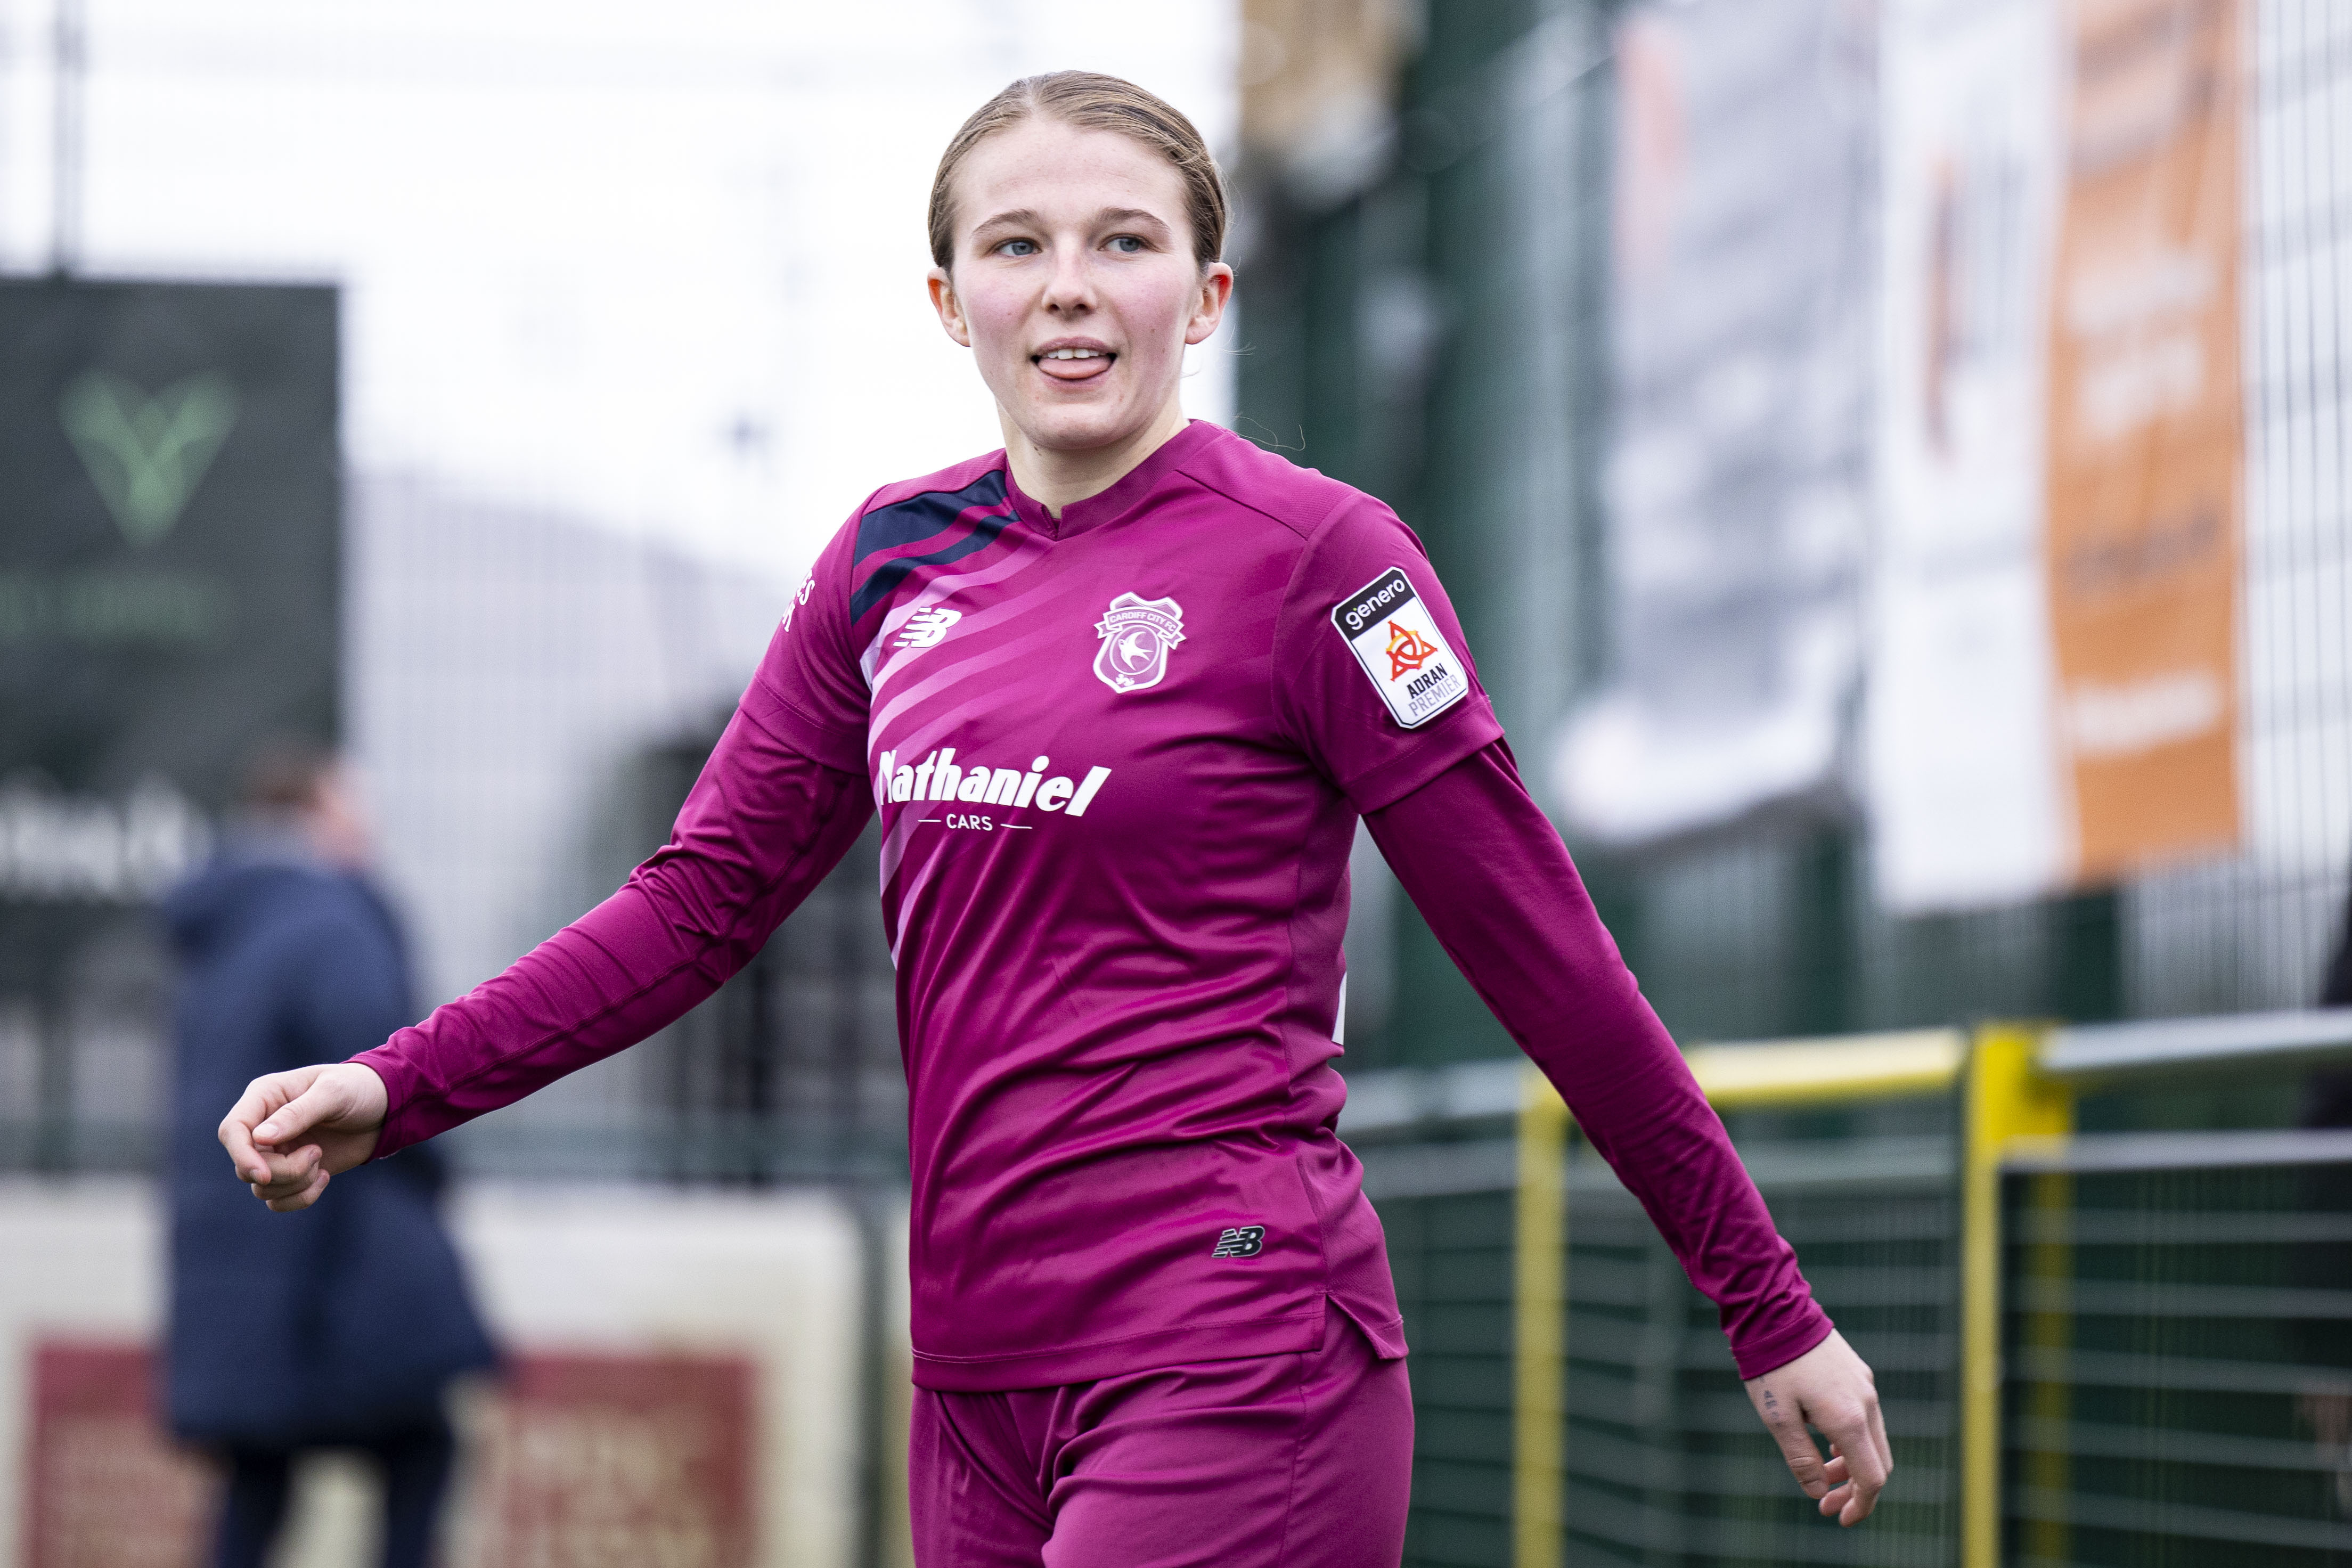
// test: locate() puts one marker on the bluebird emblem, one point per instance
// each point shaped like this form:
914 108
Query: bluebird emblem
1137 634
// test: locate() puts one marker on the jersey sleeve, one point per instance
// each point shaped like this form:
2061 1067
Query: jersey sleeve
811 686
763 823
1487 869
1372 674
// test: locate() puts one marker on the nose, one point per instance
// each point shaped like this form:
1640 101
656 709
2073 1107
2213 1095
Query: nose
1069 287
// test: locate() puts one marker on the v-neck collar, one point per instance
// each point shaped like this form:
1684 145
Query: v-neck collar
1121 498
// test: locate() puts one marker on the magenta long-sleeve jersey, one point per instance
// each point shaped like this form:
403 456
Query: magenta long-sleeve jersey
1119 757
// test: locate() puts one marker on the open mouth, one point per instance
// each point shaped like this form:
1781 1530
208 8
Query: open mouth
1073 362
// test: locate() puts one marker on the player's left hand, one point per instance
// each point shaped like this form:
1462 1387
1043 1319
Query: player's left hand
1830 1388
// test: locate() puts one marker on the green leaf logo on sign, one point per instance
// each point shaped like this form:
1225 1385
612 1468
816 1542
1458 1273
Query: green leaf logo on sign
146 455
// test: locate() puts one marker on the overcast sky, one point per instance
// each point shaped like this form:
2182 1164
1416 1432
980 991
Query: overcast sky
658 266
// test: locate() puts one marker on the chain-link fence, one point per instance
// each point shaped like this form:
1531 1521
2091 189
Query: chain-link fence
2095 1345
1441 332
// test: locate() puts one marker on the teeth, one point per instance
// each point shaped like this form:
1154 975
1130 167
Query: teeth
1072 354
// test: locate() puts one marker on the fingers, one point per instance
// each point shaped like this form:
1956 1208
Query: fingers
237 1137
1878 1432
315 1103
290 1130
1833 1503
1785 1423
287 1172
303 1198
1829 1388
1858 1447
262 1098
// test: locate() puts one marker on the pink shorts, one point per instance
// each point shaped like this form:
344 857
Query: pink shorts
1302 1460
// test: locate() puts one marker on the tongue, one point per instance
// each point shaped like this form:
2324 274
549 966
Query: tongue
1075 369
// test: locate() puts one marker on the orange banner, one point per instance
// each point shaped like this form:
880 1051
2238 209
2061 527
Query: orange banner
2146 434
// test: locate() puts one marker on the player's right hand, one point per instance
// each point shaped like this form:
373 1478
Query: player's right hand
292 1131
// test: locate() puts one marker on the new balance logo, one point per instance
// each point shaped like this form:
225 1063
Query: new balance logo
1240 1241
927 626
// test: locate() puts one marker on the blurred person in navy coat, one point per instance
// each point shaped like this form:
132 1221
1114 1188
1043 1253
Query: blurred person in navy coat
341 1327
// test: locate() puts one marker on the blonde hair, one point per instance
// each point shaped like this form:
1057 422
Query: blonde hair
1091 102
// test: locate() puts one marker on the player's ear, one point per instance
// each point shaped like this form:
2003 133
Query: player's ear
941 284
1209 305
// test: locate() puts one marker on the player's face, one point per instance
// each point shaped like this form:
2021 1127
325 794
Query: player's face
1075 283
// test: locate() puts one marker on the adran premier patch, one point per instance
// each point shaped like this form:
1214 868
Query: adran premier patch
1396 639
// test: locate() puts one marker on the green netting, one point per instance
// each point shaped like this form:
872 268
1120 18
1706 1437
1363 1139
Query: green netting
1667 1463
2175 1358
2180 1389
1452 1255
1441 338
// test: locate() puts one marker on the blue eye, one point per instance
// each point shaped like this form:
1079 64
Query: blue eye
1127 245
1019 247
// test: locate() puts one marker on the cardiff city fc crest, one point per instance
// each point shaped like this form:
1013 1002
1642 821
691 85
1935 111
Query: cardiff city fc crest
1137 637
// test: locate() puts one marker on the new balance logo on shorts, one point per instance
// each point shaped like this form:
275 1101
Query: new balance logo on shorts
1240 1241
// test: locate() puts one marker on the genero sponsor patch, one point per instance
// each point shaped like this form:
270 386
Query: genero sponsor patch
1396 639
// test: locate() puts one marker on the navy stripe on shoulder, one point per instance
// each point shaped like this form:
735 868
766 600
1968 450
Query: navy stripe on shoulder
920 516
899 568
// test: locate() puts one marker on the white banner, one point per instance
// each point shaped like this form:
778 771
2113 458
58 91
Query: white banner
1739 472
1958 743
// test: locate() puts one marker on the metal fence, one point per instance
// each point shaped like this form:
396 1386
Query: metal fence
1440 337
2117 1345
790 1073
2178 1314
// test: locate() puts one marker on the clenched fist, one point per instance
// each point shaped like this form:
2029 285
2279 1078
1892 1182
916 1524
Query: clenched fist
292 1131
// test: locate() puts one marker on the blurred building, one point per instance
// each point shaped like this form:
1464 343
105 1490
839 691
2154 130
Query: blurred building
532 696
1598 296
1892 460
620 313
620 302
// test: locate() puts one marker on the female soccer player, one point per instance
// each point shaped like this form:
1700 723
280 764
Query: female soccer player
1120 692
